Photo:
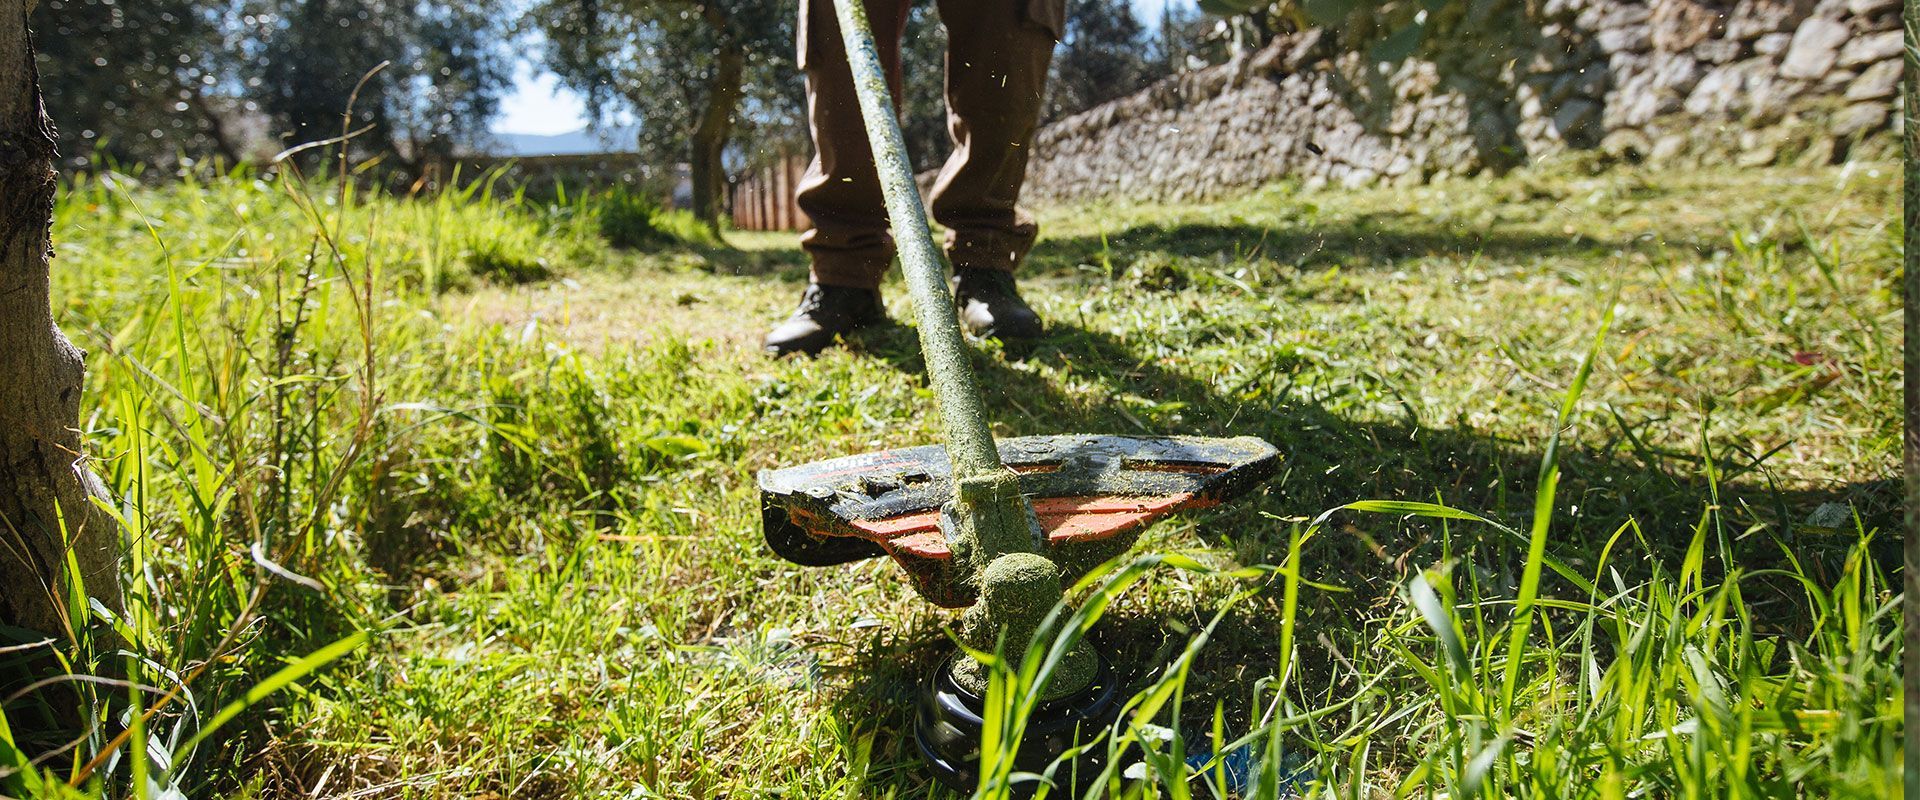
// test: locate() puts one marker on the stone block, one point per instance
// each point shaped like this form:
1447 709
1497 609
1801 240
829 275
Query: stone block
1561 8
1862 50
1837 80
1322 94
1880 81
1631 39
1767 97
1625 64
1717 92
1677 74
1717 51
1632 109
1624 15
1627 144
1751 19
1679 25
1866 8
1859 118
1815 48
1772 44
1759 148
1668 147
1529 101
1575 120
1562 88
1592 80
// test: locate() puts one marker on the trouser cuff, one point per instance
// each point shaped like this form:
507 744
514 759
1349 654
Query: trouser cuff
997 249
855 272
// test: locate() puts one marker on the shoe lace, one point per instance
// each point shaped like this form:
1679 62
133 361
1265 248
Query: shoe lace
812 300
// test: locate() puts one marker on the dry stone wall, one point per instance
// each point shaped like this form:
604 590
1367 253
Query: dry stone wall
1501 84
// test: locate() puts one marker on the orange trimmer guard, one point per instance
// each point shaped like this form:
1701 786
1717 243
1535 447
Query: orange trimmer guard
1092 495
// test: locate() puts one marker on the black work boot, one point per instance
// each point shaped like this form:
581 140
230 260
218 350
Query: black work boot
990 305
825 313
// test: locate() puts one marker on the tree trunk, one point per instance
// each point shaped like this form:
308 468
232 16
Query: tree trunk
710 137
216 127
45 485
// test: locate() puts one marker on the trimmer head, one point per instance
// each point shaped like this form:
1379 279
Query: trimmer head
1092 495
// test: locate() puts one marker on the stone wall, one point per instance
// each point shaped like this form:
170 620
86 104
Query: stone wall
1499 84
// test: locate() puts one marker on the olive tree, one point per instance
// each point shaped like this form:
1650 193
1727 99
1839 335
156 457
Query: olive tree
49 525
696 75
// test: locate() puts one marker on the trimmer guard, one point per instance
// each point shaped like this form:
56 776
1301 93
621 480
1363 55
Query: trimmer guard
1092 495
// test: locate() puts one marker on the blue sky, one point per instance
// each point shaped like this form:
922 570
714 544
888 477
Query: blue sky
539 106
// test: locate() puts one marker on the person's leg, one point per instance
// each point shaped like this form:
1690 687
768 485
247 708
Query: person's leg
848 243
840 192
997 57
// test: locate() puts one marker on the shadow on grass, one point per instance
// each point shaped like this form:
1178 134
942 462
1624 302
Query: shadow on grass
1370 240
785 264
1330 460
1375 239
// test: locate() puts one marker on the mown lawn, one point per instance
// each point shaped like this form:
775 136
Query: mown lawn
522 463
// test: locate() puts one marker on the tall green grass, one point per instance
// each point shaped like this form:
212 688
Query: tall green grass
256 410
1667 684
377 546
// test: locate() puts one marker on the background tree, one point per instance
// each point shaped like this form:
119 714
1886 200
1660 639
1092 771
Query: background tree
46 509
137 80
1189 39
447 69
923 91
1390 30
1106 54
151 80
692 74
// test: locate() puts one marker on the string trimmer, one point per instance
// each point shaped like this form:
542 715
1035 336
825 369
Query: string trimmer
993 527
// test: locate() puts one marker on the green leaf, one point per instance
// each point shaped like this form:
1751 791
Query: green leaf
675 445
1481 767
287 676
1229 8
1328 12
1440 619
1543 512
1799 723
1401 44
1434 510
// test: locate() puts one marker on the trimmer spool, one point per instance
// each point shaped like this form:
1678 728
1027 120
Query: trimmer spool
949 722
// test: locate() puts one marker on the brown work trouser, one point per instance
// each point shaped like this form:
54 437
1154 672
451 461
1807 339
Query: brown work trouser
997 54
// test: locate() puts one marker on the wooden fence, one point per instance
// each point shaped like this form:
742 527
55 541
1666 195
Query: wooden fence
763 199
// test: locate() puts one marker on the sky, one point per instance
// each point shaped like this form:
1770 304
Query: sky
539 106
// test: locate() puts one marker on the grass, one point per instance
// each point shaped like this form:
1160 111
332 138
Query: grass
498 475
